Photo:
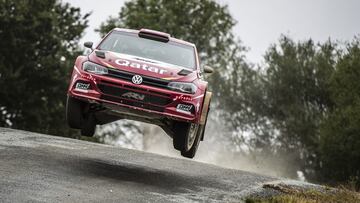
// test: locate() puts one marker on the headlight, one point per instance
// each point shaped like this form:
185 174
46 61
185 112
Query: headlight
94 68
183 87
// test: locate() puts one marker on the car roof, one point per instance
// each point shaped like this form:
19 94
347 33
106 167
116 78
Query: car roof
154 31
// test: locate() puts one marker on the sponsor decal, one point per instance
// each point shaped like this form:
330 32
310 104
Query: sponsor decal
183 108
134 95
82 86
123 62
137 79
183 97
89 77
197 107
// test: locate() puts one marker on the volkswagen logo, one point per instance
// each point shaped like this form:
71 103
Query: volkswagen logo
137 79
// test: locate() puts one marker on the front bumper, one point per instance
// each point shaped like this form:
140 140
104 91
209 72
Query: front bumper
144 98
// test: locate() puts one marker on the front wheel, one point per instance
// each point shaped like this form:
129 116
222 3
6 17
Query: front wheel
187 137
88 126
191 136
74 112
78 118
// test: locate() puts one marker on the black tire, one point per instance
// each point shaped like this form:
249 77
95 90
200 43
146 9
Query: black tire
74 112
88 126
180 129
181 139
192 151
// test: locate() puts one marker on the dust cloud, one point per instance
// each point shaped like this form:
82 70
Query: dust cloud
216 149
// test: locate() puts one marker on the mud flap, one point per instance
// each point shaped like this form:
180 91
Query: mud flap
205 108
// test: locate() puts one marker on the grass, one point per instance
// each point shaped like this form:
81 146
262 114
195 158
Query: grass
291 195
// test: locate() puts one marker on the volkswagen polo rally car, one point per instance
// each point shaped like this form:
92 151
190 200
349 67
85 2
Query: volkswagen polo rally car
142 75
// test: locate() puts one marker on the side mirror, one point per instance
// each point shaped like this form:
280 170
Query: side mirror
208 69
88 45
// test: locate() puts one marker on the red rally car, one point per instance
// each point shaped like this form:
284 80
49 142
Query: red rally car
143 75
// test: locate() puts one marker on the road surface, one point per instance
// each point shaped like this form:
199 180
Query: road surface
42 168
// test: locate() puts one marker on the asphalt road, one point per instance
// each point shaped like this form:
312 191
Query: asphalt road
42 168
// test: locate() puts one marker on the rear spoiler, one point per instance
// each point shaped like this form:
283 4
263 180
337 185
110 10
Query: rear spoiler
154 35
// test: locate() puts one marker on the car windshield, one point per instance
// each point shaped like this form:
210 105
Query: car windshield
168 52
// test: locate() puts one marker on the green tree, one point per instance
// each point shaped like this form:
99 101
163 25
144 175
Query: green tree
281 105
297 91
340 132
300 110
39 42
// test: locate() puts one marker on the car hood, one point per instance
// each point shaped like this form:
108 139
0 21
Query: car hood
142 66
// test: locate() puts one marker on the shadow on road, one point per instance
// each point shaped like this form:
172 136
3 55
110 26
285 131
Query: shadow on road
126 172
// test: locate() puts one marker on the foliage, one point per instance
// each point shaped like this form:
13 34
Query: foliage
297 97
340 132
310 196
301 109
281 104
39 40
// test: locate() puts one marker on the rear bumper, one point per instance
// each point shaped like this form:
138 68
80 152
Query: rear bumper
113 92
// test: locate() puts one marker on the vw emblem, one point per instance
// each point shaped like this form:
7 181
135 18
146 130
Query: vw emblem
137 79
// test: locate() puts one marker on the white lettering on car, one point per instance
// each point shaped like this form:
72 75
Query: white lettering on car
135 65
144 67
153 69
123 62
162 71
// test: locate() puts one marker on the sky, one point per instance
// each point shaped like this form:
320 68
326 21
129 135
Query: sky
261 22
